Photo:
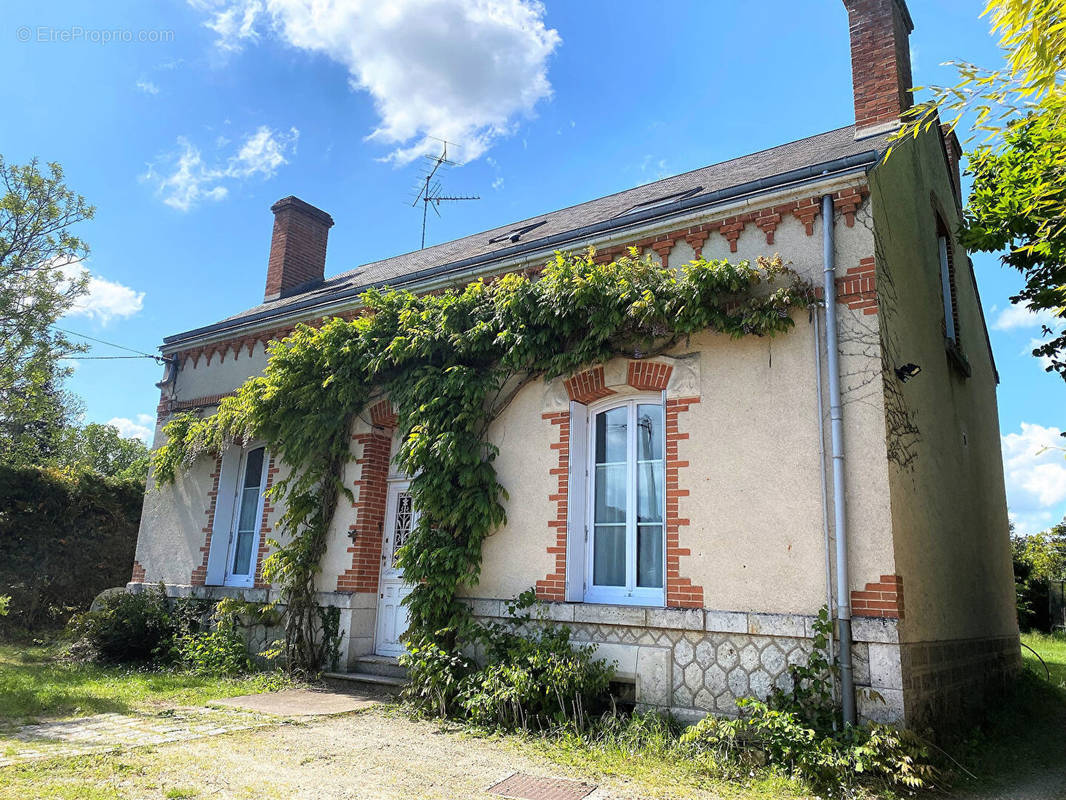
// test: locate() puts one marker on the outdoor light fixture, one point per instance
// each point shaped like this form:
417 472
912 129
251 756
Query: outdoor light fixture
907 371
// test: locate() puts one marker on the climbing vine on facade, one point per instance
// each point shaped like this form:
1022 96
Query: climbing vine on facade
449 363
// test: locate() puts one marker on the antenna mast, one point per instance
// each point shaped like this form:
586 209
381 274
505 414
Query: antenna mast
429 192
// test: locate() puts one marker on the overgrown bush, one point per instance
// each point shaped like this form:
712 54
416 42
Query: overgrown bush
528 675
827 760
64 538
218 650
126 629
794 731
149 629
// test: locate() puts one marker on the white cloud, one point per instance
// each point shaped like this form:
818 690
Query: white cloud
1036 481
143 428
147 87
104 300
185 180
1019 315
460 70
1045 361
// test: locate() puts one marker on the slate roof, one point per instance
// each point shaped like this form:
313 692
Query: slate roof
666 194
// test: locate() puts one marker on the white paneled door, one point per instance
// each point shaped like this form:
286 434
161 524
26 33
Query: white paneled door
400 519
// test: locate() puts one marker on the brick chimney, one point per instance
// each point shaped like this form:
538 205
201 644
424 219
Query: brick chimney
297 248
880 63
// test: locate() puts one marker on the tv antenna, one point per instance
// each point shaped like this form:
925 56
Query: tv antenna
430 192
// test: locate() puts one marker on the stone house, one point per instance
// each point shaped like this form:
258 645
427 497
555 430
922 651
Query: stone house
688 513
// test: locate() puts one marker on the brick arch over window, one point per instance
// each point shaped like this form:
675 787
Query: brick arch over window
583 388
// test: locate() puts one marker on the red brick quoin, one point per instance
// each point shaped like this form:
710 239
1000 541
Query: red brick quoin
680 592
644 375
264 529
199 574
881 599
372 488
138 572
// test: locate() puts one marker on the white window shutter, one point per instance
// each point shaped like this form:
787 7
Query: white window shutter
578 491
223 521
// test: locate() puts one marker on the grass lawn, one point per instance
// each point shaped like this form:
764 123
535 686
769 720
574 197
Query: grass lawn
34 683
1017 752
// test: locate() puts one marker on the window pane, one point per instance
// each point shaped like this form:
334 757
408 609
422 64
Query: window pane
649 432
650 556
253 470
611 435
249 501
650 491
242 558
609 556
610 493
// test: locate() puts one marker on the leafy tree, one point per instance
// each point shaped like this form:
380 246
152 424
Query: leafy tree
1018 200
39 282
34 412
103 450
1045 552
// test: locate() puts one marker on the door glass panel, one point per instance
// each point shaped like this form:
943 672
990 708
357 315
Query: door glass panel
650 431
650 556
403 524
618 531
609 556
247 524
610 493
650 491
611 436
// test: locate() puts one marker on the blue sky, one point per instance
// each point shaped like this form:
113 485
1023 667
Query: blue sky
183 121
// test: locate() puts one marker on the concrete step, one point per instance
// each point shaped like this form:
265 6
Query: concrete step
378 665
361 682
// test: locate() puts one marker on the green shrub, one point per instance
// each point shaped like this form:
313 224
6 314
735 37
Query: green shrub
64 538
219 650
762 736
435 676
127 628
795 731
146 628
529 675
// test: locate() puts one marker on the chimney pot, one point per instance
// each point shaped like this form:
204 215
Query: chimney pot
297 247
880 63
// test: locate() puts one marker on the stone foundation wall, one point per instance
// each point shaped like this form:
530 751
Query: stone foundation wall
358 612
692 662
946 683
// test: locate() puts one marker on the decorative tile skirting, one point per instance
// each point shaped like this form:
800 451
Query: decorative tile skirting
695 661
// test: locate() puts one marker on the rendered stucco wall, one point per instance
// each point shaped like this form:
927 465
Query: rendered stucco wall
945 469
754 500
948 499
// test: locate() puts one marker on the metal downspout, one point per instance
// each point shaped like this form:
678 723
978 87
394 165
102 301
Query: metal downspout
836 432
826 533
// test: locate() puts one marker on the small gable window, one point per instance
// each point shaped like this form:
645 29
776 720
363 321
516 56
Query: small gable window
947 283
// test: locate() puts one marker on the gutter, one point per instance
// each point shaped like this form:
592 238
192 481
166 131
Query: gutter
859 162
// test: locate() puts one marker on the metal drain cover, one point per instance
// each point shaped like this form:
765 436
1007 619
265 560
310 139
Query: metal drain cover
529 787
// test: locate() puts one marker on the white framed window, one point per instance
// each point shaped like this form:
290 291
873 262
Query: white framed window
624 501
238 519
